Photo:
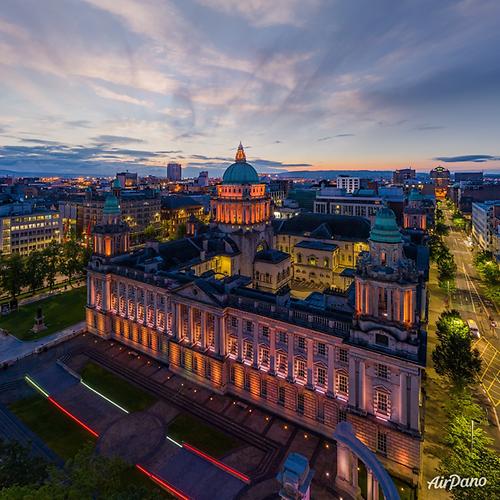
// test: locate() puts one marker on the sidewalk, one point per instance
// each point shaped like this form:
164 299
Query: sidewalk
12 349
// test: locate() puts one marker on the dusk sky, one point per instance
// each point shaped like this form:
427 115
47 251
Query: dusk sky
94 85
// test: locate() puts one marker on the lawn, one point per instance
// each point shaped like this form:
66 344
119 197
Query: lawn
59 432
60 312
202 436
115 388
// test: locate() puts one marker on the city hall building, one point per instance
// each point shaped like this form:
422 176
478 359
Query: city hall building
318 361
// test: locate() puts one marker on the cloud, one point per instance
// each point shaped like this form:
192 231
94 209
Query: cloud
471 158
329 137
78 123
115 139
429 127
43 142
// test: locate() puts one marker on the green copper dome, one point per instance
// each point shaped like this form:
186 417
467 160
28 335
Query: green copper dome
111 205
385 229
240 172
116 184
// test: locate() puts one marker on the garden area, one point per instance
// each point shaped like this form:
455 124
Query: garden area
202 436
115 388
60 311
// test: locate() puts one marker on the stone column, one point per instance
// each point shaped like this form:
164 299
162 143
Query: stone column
290 357
272 351
353 389
389 304
222 335
216 334
203 330
331 370
256 346
173 329
190 332
310 363
90 287
240 339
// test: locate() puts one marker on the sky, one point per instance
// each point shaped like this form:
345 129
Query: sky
95 86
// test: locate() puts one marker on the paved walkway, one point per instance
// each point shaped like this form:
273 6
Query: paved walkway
12 349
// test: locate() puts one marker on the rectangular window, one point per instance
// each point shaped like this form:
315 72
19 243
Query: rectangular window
249 326
232 374
208 370
301 343
382 442
281 396
300 369
321 349
265 332
342 415
263 388
382 371
248 351
282 363
234 321
321 376
246 381
300 403
382 402
343 355
264 356
283 337
342 384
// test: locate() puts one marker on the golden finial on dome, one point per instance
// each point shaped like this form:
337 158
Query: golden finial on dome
240 154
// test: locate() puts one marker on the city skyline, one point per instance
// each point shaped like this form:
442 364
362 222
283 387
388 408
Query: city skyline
94 86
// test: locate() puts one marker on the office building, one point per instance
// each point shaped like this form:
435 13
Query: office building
174 172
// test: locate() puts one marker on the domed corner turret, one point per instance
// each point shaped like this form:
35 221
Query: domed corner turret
385 228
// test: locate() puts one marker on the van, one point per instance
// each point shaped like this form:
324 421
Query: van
473 329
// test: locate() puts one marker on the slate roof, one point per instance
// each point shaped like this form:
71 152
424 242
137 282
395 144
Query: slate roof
320 226
175 202
317 245
271 255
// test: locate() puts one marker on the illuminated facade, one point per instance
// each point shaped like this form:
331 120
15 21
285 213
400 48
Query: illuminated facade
440 177
316 362
242 209
414 214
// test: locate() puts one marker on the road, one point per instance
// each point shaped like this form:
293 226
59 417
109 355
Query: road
469 299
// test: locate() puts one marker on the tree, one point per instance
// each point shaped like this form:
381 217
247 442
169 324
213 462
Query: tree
453 356
12 274
181 231
87 476
52 256
19 467
71 259
35 270
469 454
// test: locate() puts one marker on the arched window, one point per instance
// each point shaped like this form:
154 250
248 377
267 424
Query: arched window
299 258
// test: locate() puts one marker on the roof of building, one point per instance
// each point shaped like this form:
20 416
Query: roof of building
321 226
317 245
174 202
271 255
385 229
240 172
415 195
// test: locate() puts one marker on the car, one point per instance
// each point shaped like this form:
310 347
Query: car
473 329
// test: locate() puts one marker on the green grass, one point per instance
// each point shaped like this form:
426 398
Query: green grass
202 436
59 432
60 312
115 388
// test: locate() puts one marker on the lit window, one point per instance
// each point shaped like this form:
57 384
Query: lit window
264 356
321 376
382 402
300 369
342 384
282 363
248 351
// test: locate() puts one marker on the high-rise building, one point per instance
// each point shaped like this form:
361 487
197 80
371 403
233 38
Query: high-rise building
350 184
399 177
174 172
127 179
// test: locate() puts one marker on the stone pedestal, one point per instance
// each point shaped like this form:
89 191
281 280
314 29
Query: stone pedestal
39 324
